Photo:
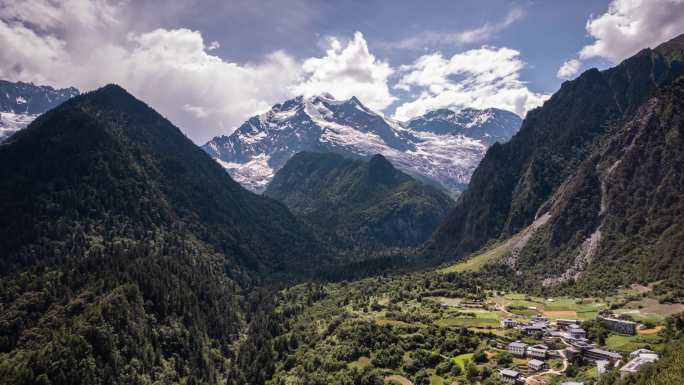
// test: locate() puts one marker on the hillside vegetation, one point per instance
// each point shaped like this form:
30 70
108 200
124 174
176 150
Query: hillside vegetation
364 207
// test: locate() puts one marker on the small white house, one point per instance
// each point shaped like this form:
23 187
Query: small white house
510 376
536 365
537 351
517 348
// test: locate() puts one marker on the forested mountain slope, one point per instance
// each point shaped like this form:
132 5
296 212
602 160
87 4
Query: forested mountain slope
126 250
365 206
598 169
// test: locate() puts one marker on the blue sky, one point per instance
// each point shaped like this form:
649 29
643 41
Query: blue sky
210 64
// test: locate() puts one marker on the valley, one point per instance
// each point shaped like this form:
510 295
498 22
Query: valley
437 328
324 242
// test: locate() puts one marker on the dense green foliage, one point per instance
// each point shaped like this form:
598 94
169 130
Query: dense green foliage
515 179
604 159
669 370
362 206
127 253
331 333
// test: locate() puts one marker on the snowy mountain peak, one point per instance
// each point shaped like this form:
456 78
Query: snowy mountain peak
443 146
21 103
490 125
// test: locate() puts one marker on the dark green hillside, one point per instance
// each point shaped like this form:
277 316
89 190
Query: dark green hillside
629 195
127 255
515 179
364 205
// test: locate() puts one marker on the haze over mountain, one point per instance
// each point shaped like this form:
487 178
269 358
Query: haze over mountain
442 146
21 103
590 189
364 206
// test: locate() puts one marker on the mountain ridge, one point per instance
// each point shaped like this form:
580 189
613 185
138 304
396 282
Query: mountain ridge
363 206
21 103
259 147
550 182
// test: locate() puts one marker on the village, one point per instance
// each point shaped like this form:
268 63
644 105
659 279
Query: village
565 339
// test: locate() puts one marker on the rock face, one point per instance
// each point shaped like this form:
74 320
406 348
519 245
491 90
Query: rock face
21 103
602 162
363 206
442 147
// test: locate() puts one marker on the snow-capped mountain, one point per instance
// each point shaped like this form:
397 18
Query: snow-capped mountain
442 146
21 103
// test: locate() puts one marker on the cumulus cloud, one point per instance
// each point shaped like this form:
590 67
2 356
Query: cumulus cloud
469 36
631 25
569 69
87 43
348 71
481 78
71 42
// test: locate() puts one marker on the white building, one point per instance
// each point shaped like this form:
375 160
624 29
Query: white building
537 351
510 376
576 332
639 352
536 365
639 358
517 348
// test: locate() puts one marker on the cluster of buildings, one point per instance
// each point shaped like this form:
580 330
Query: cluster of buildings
540 326
572 334
637 359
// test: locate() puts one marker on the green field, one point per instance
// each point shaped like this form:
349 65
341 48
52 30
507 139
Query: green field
462 359
468 322
625 344
477 261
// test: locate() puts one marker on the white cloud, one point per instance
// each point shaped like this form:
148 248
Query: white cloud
74 43
469 36
480 78
213 45
348 71
87 43
631 25
569 69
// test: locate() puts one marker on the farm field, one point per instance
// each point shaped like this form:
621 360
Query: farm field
424 329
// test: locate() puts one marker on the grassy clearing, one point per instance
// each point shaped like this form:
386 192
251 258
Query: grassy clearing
436 380
462 359
478 261
625 344
468 322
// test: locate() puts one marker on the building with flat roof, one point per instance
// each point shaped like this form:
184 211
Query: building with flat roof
576 332
537 351
618 325
601 355
509 323
565 323
536 365
533 329
517 348
639 352
510 376
633 366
